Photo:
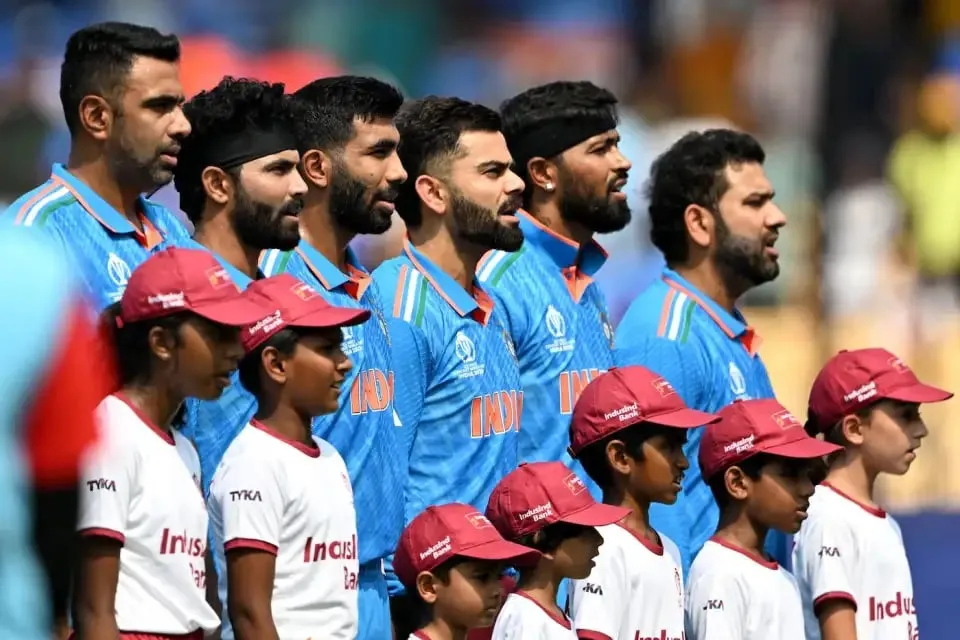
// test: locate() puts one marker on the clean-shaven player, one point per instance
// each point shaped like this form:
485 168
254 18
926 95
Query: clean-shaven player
121 96
143 521
348 146
712 215
458 385
563 139
281 506
239 185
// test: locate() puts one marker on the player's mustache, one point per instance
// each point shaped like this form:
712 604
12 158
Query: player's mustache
510 206
291 208
387 195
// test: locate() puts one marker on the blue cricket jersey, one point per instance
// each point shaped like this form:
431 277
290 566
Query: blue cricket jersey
458 384
103 245
557 317
710 357
365 428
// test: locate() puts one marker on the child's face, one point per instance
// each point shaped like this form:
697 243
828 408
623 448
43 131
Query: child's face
316 371
574 558
780 496
659 475
890 437
472 596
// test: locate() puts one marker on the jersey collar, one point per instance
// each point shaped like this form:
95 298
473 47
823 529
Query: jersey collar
106 215
732 324
354 282
478 306
565 253
239 278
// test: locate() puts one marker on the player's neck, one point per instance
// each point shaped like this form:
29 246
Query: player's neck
739 530
550 216
319 231
850 476
217 235
96 174
457 260
707 278
440 629
541 585
157 403
284 420
638 520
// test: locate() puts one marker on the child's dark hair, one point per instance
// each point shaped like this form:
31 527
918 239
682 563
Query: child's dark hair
409 612
593 457
130 341
752 467
284 341
548 539
834 433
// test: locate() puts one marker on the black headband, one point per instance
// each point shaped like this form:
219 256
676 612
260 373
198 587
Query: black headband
553 137
232 150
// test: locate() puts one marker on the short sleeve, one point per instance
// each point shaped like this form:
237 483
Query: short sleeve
715 608
825 561
106 486
596 603
251 500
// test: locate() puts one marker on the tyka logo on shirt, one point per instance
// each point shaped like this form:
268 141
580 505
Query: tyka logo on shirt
245 495
101 484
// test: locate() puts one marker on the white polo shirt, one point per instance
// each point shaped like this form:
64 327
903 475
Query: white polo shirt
634 591
733 596
851 551
142 487
521 618
296 502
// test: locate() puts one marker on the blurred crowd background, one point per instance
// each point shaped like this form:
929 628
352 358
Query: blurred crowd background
857 103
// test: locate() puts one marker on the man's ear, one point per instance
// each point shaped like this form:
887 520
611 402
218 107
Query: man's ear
316 167
217 185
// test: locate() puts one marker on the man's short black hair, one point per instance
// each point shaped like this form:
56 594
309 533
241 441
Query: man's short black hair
555 102
328 107
692 171
430 131
98 59
232 107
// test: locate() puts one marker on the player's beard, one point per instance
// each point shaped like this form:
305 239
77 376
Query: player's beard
597 214
134 166
261 226
351 207
742 262
479 226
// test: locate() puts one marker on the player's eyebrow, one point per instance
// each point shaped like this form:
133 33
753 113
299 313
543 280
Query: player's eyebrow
164 101
280 163
499 165
760 197
383 145
608 139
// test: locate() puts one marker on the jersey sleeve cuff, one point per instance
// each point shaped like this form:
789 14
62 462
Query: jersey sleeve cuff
830 596
585 634
103 532
250 543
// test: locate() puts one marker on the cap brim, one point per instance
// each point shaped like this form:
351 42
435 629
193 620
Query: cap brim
331 317
237 312
920 393
596 515
804 449
683 418
502 551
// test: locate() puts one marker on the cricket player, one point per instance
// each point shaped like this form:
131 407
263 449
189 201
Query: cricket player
563 139
713 217
143 521
53 379
121 95
239 185
849 558
281 504
458 384
349 160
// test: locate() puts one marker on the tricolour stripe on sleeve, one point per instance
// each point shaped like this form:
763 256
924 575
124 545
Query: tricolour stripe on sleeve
34 211
274 261
492 270
675 316
409 299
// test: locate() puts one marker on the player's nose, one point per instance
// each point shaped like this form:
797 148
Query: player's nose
513 184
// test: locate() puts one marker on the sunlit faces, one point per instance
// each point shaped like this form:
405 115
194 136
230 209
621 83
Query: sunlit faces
889 438
268 200
367 173
779 498
748 226
149 124
485 192
590 177
468 595
201 357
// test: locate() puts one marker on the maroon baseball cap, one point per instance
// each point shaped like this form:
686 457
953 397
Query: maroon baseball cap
175 280
537 494
294 304
749 427
853 380
623 397
449 530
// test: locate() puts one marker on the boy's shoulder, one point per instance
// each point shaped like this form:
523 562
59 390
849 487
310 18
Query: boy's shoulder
521 617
